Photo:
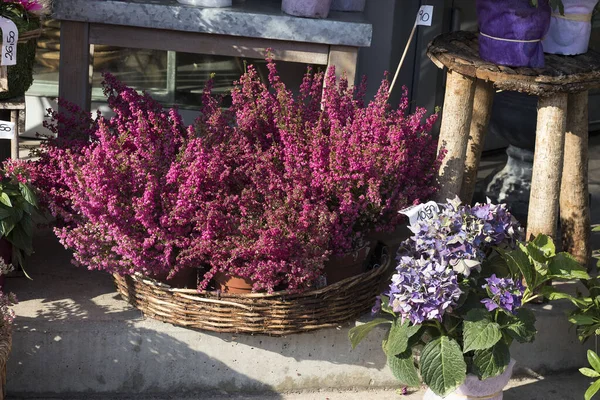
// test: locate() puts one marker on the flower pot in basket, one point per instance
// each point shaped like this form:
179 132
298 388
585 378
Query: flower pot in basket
340 267
511 32
569 34
348 5
474 388
232 284
306 8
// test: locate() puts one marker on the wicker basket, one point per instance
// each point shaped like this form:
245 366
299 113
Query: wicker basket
5 347
275 314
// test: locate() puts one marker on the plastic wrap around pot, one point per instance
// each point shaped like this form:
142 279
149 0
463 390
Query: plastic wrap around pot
511 32
569 34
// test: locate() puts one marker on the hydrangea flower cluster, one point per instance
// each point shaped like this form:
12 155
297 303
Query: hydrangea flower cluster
462 236
504 293
423 289
266 190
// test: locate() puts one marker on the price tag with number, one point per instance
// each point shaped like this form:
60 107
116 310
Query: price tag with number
7 129
425 15
10 37
421 212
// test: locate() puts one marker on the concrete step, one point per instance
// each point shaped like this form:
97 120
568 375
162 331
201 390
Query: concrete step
75 335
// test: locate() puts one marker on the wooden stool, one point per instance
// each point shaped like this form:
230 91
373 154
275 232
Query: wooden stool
561 151
16 106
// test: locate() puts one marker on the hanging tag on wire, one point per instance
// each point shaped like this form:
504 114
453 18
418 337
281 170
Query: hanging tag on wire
425 15
10 37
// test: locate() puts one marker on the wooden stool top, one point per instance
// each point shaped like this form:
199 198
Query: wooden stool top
14 103
459 51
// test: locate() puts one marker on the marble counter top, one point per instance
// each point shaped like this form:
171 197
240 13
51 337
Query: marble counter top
252 18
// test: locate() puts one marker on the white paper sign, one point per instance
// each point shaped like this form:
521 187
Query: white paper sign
425 15
10 37
7 129
421 212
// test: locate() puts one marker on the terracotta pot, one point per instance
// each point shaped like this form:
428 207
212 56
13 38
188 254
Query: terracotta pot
347 265
473 388
306 8
232 284
511 32
186 278
569 34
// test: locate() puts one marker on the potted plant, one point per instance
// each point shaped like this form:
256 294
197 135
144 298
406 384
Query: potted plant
511 31
26 15
307 8
570 29
265 191
457 302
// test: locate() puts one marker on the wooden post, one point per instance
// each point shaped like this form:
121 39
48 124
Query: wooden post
547 166
574 200
344 58
75 70
14 143
454 133
482 109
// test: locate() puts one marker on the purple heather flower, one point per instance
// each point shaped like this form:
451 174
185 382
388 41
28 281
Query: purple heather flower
504 293
423 289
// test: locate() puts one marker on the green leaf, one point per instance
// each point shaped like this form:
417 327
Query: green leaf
5 213
397 340
403 368
594 360
552 293
491 362
7 225
522 326
564 266
443 366
592 390
479 332
541 249
28 194
590 373
579 319
19 238
4 199
359 332
518 260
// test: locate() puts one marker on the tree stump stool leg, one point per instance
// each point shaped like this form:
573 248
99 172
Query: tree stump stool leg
574 200
482 109
547 166
454 133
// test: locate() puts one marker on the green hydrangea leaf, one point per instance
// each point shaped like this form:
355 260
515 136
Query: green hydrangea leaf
479 332
566 267
397 340
443 366
403 368
491 362
522 326
359 332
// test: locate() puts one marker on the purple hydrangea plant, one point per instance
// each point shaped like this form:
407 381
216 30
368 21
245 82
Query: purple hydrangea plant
423 289
503 293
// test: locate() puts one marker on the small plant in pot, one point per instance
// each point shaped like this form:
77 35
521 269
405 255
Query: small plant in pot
265 191
570 28
457 301
511 31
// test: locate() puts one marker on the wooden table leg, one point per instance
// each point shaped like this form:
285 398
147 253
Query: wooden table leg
482 109
454 133
547 166
574 200
75 70
344 58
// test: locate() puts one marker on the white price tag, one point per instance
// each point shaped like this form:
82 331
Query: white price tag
425 15
10 37
7 129
421 212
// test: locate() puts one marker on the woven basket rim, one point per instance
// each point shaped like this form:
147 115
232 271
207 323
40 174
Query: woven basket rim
377 270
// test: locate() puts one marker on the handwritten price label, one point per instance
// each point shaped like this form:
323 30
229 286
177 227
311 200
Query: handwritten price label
421 212
7 129
425 15
10 37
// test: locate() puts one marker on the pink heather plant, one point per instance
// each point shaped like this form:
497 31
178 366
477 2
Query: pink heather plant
266 190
